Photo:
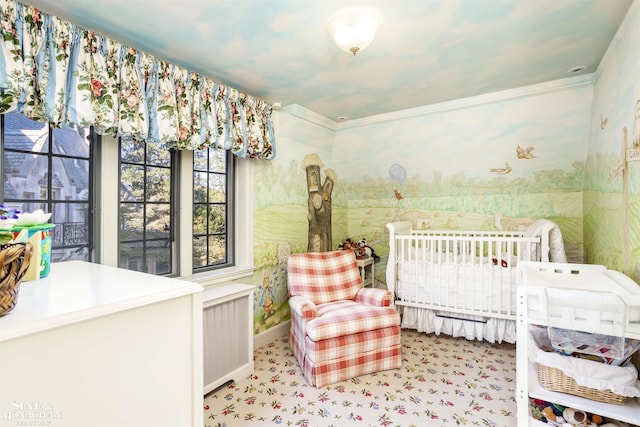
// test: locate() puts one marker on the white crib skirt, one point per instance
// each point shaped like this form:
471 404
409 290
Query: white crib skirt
425 320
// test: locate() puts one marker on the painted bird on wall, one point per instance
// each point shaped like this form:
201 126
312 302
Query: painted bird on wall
525 153
502 171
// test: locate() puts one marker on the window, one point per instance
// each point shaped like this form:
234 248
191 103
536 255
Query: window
146 219
117 202
51 169
213 183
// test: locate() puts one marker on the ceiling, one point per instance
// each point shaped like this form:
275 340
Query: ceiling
426 51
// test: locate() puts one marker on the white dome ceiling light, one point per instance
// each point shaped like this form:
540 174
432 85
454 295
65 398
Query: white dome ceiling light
353 29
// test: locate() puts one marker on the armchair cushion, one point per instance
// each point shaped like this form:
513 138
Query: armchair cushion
340 318
375 296
346 346
324 276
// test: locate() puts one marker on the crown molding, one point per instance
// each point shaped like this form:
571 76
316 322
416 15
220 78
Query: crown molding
303 113
310 116
509 94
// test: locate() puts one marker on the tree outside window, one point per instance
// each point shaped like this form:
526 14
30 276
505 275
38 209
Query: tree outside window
146 207
212 209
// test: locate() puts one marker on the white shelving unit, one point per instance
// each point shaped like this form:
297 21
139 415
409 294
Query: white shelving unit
536 279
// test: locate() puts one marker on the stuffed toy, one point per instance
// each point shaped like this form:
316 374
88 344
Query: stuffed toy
368 250
350 245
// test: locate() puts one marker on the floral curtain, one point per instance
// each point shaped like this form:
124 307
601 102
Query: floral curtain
52 70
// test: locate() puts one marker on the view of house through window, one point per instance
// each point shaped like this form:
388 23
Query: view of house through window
212 209
51 169
145 210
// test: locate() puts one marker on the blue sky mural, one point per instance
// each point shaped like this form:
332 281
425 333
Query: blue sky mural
474 140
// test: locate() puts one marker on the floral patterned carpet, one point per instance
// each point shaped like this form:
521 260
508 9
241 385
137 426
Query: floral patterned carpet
443 381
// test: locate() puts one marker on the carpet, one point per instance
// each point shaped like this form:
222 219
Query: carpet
443 381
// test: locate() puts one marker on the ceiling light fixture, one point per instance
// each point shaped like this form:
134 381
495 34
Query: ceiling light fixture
353 29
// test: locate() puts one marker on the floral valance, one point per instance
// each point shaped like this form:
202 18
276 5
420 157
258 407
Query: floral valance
52 70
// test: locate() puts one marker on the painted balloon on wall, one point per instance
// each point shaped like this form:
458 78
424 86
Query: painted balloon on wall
398 173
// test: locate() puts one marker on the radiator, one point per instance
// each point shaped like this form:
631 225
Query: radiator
228 334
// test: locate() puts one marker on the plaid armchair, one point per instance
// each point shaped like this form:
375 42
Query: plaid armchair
339 330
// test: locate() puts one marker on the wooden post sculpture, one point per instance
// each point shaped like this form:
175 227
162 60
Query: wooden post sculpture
319 205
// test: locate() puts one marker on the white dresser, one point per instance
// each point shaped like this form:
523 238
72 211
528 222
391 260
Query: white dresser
92 345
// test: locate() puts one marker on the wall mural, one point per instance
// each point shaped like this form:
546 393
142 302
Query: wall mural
270 298
463 203
492 166
398 173
612 197
612 180
296 198
621 169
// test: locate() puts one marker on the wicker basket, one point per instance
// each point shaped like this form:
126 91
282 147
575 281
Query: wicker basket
555 380
14 262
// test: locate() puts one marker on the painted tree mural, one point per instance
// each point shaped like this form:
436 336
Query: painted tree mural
319 204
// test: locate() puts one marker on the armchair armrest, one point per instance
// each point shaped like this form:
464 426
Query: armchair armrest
375 296
303 307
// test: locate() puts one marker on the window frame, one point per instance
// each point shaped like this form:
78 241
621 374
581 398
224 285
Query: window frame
229 208
51 199
146 242
243 224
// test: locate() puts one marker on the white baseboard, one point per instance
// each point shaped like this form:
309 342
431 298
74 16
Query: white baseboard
270 335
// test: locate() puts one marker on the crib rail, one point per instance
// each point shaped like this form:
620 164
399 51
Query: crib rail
466 233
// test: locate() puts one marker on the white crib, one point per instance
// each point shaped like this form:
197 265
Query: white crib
463 283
